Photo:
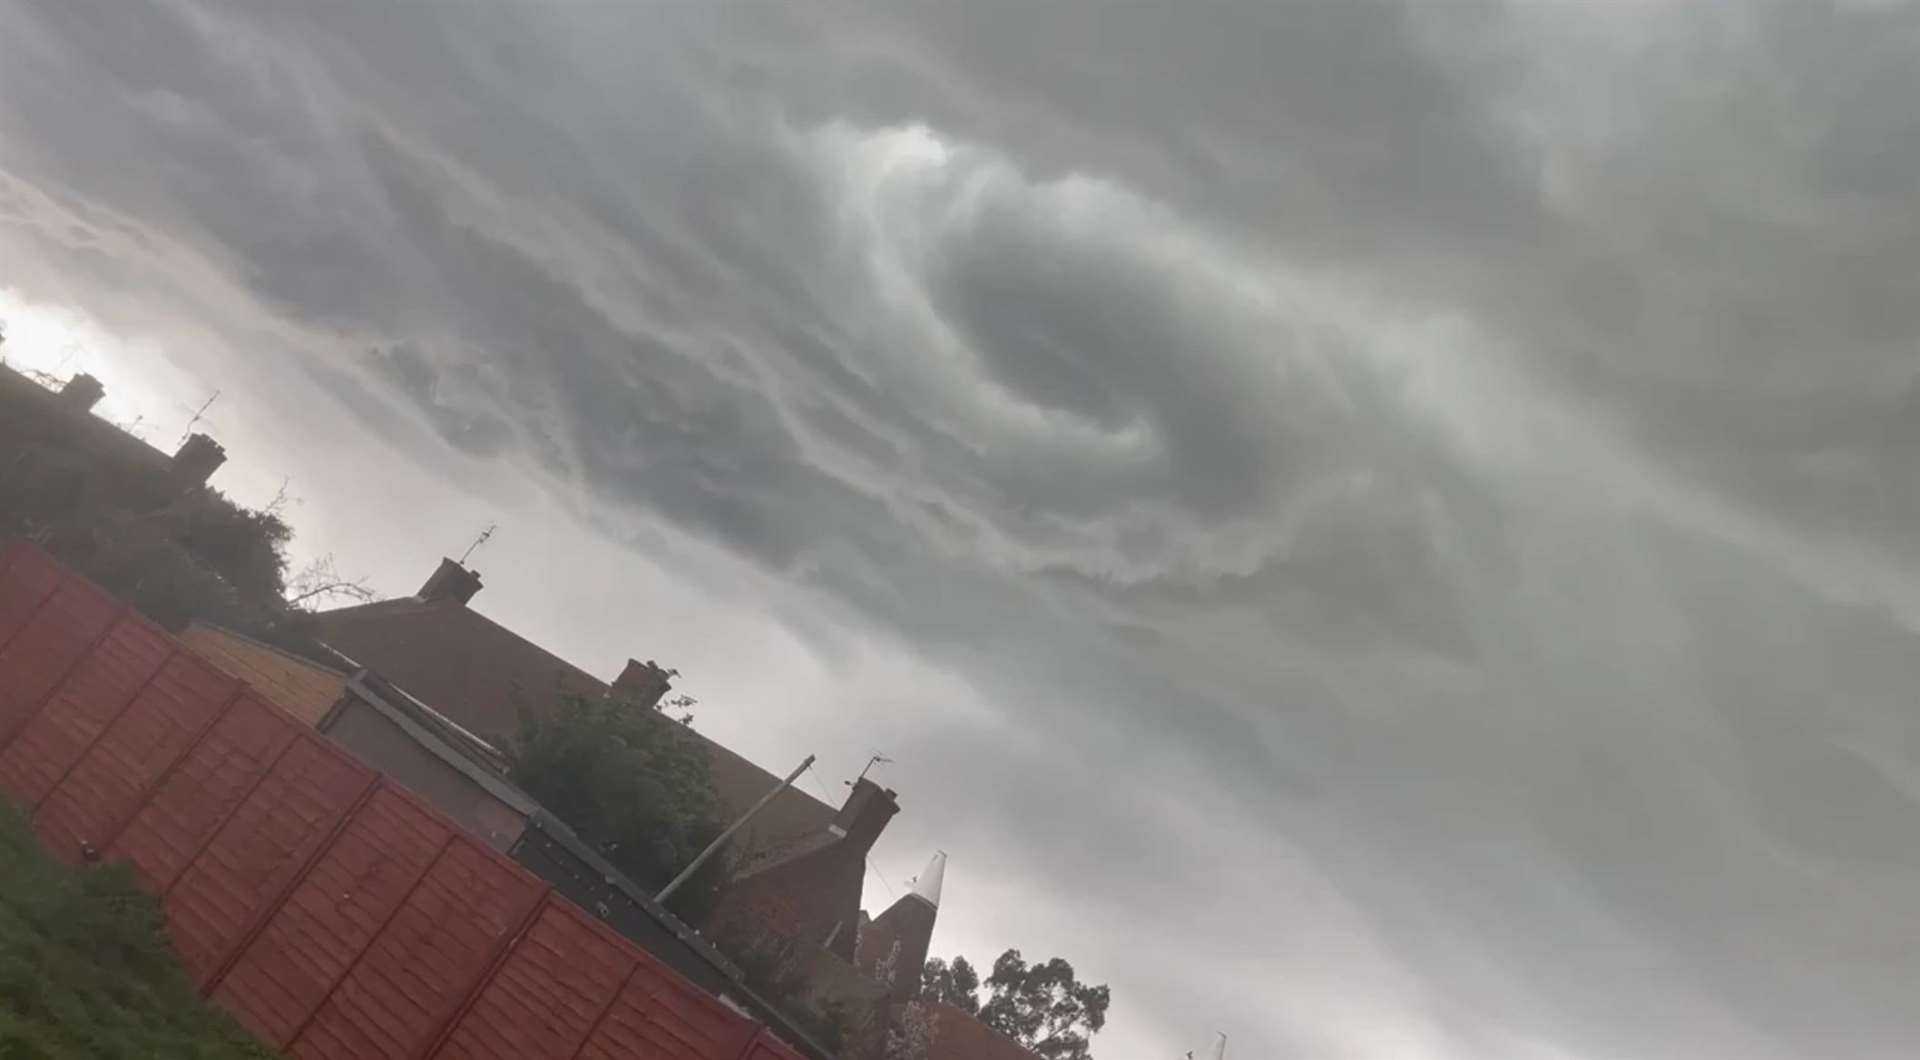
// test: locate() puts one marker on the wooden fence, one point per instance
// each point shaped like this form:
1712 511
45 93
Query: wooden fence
333 912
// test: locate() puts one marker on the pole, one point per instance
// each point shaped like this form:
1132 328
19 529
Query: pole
714 847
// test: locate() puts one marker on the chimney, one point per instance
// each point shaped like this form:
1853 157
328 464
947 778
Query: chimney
641 684
82 393
197 460
866 813
894 947
451 582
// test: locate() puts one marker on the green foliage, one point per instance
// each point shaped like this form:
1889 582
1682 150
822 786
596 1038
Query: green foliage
197 555
772 968
1041 1006
632 782
956 984
86 971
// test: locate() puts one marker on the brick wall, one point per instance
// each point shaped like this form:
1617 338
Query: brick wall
804 899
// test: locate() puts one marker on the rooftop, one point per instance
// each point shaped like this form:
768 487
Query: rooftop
480 673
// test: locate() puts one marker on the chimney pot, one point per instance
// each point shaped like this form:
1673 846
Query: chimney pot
82 392
641 684
451 581
865 815
199 457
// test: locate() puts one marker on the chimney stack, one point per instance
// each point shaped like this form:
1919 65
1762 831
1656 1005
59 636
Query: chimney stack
82 393
865 815
451 582
197 460
641 684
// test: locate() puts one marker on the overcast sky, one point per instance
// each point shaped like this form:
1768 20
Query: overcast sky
1383 528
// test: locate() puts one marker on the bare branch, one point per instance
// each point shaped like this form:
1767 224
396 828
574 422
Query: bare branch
282 500
321 581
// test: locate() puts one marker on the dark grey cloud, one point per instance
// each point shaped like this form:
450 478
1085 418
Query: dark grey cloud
1398 515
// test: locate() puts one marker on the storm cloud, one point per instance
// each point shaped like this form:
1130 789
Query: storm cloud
1384 528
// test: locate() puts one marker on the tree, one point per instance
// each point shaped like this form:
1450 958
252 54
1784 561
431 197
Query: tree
911 1037
956 984
320 581
631 782
175 553
1044 1007
197 556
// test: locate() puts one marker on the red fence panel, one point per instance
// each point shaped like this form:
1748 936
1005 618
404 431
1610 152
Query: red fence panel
326 923
104 789
548 994
203 791
27 577
57 635
102 685
426 960
259 851
660 1016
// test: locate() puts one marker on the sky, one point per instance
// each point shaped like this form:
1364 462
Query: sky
1385 528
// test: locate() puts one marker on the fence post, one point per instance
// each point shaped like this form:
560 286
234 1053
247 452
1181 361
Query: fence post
42 602
346 973
606 1009
272 905
747 1050
118 713
122 613
159 779
213 832
501 951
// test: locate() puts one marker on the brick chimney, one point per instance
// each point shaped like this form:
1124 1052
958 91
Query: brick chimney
82 393
865 815
197 460
641 684
451 582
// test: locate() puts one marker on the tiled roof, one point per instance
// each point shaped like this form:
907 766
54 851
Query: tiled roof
478 673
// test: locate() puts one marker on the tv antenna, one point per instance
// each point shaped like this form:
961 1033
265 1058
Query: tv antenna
198 415
485 536
877 759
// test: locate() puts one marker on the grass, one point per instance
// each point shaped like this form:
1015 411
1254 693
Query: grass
86 970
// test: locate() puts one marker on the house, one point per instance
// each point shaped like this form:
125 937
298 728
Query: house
479 673
433 686
802 863
37 423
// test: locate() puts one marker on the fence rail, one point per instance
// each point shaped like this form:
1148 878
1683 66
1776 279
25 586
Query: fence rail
333 912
